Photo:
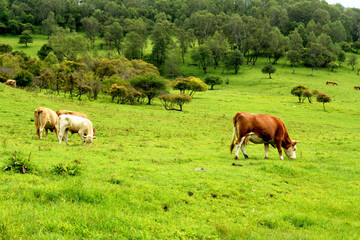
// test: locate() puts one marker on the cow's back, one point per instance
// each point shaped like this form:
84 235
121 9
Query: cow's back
66 112
45 117
264 125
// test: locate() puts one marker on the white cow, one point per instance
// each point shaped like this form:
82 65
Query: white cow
75 124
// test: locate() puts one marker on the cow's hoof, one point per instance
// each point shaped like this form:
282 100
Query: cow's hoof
246 156
236 157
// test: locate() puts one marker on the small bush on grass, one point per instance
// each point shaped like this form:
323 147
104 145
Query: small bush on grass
324 98
18 163
170 101
72 169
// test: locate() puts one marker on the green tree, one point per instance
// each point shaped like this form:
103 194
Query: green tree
233 59
49 25
44 51
184 39
133 46
25 37
298 91
307 94
269 69
202 56
353 61
151 85
175 99
91 26
5 48
113 36
213 80
324 98
160 37
68 45
189 85
218 46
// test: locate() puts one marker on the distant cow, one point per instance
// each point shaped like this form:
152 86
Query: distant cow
75 124
11 83
357 87
332 83
261 128
79 114
45 118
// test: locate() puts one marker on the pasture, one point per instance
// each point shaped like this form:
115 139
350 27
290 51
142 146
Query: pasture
139 180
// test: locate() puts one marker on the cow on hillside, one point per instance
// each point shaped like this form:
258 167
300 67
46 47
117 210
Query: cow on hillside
332 83
11 83
75 124
261 128
79 114
45 118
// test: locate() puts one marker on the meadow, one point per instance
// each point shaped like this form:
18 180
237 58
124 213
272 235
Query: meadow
138 179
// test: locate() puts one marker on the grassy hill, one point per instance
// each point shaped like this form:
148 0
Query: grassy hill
139 180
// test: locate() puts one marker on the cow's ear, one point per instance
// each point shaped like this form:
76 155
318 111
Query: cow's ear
295 142
94 137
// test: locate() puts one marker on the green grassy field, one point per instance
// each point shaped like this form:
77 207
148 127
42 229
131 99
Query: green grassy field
139 180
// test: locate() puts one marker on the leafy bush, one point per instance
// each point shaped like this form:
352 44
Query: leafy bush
189 85
307 94
298 91
5 74
72 169
5 48
170 101
23 79
268 69
213 80
18 163
324 98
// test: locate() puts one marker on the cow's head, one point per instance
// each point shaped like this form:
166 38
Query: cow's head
290 150
88 139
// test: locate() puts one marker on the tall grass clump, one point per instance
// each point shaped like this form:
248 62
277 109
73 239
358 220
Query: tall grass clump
18 163
71 169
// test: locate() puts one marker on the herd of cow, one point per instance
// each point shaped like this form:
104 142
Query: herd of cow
336 84
63 121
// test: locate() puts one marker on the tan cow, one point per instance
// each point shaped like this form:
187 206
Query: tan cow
45 118
261 128
80 125
11 83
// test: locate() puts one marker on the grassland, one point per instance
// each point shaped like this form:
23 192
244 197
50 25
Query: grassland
139 179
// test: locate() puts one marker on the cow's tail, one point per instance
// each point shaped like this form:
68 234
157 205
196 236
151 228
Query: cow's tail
233 140
234 132
38 124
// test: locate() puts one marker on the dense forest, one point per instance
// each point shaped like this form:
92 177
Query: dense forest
218 33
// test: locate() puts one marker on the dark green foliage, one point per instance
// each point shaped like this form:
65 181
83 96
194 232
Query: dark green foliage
5 48
171 101
332 65
202 56
213 80
151 85
269 69
233 59
44 51
18 163
72 169
25 37
298 91
324 98
23 79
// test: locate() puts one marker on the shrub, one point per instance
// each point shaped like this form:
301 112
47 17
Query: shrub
5 48
332 65
298 91
5 74
189 85
72 169
324 98
170 101
18 163
268 69
23 79
307 94
213 80
119 92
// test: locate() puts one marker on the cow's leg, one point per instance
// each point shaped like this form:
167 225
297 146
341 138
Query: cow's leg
266 150
66 137
46 133
278 146
61 136
240 145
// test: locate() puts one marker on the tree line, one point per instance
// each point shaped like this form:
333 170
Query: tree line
220 33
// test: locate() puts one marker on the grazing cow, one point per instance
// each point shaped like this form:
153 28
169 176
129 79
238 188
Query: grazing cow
11 83
261 128
45 118
75 124
79 114
357 87
332 83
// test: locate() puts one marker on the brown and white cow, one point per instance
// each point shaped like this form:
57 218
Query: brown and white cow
75 124
332 83
261 128
11 83
45 118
